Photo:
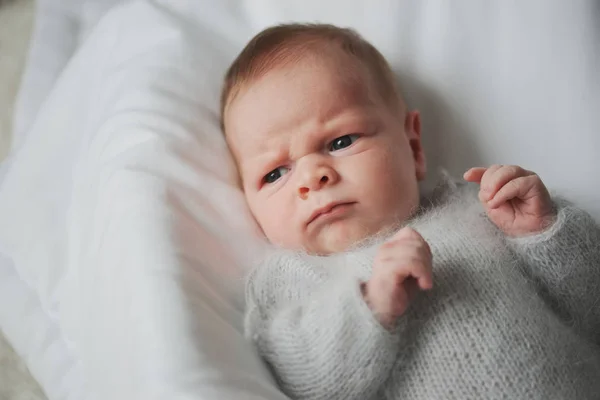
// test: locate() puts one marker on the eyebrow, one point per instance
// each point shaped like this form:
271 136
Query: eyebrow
274 146
256 164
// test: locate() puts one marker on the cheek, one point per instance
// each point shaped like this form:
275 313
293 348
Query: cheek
381 167
385 179
273 215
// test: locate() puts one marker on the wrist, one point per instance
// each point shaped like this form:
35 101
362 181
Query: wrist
547 220
544 224
551 228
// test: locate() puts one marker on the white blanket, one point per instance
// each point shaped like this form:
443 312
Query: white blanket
124 241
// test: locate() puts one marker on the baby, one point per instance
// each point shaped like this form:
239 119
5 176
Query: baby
488 290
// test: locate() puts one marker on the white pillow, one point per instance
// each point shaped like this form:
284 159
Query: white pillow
59 28
120 212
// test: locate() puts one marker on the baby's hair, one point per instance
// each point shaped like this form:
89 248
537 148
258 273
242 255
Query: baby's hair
286 44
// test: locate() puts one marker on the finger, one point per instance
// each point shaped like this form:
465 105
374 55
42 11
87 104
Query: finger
474 174
405 247
411 286
486 177
425 246
405 266
421 272
402 299
516 188
414 270
425 282
425 278
407 233
492 182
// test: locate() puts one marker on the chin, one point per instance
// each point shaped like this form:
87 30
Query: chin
338 241
350 237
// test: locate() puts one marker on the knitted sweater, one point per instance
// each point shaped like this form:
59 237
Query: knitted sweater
507 318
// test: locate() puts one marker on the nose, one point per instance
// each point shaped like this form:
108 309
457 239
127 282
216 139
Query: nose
314 177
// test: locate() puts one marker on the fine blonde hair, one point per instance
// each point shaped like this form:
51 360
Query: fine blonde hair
286 44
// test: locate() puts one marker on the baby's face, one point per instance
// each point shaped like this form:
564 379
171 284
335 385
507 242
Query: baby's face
324 162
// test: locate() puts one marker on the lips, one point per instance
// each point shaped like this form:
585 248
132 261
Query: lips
329 209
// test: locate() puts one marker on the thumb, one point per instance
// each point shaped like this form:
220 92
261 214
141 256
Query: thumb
411 286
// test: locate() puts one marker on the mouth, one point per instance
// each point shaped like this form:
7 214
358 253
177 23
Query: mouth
330 210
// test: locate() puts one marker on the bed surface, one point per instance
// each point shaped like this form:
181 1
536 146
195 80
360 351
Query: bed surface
16 20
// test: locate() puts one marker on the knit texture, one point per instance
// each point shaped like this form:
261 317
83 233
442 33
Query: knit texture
506 319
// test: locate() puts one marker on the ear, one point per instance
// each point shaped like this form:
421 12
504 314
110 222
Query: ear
412 127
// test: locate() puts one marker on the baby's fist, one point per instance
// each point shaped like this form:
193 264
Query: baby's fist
402 266
516 200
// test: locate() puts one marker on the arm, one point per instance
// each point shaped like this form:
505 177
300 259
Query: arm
559 243
565 261
327 345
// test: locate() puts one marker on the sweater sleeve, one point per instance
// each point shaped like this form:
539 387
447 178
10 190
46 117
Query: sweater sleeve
325 346
565 260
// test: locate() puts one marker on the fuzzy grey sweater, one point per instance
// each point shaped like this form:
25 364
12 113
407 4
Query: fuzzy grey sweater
506 319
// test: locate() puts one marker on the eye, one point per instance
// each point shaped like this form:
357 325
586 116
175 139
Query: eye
342 142
275 174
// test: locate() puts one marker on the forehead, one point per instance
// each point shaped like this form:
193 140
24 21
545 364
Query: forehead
313 91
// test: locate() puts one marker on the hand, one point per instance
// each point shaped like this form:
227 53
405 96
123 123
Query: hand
516 200
401 267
